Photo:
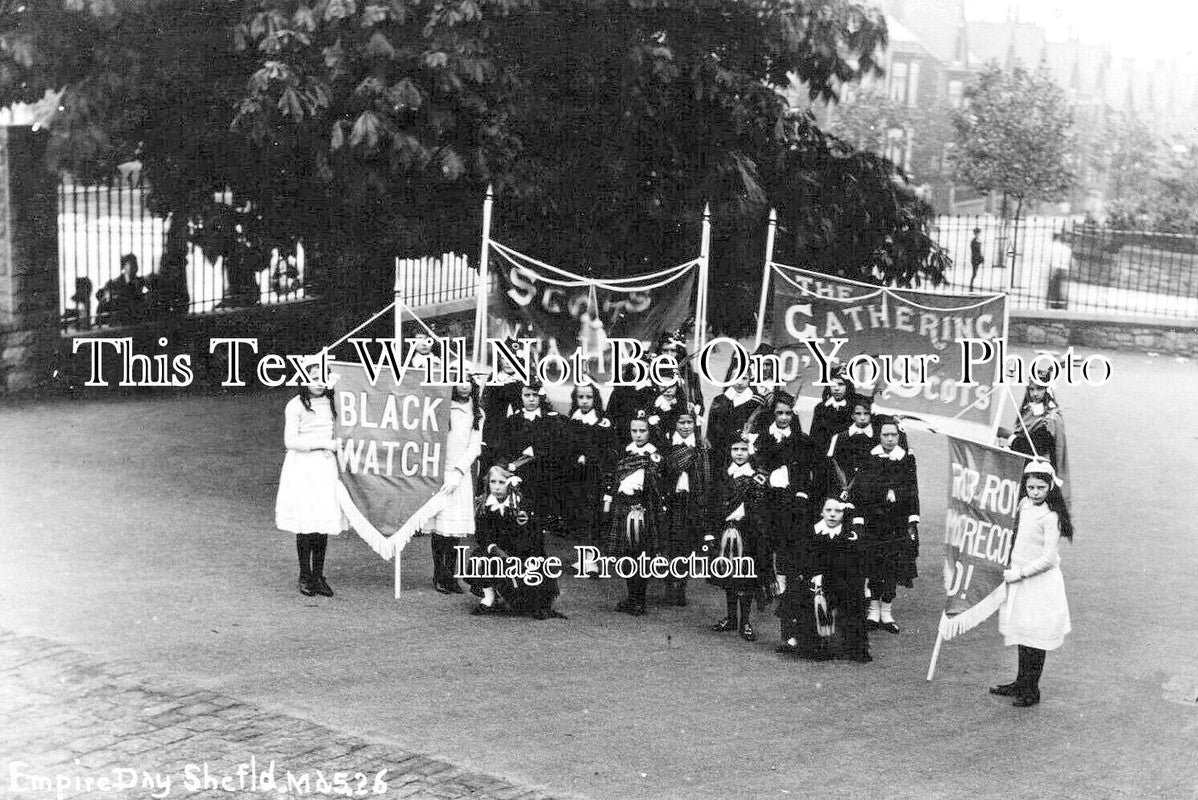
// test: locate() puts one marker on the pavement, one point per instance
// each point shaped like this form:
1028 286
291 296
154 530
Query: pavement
83 727
140 572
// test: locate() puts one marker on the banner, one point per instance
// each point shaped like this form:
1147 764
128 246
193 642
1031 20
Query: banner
391 450
882 321
566 311
979 530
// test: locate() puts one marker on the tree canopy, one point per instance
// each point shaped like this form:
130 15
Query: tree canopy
369 129
1014 136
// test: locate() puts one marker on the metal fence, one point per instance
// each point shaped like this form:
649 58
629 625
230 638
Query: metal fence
1041 262
102 225
1065 263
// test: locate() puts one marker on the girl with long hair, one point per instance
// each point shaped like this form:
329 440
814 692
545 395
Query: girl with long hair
455 523
306 504
1035 615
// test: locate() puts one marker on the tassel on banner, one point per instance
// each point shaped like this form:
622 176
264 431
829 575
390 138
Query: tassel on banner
388 546
972 616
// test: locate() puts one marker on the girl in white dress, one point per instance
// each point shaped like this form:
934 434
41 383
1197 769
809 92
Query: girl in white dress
1035 615
455 523
307 501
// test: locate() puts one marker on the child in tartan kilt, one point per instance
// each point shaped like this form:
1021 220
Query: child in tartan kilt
633 497
686 485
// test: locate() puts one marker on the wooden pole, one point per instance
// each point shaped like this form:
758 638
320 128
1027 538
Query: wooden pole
398 574
936 651
770 231
704 272
398 308
480 315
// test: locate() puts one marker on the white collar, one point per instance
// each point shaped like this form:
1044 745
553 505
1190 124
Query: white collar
868 430
531 415
832 402
678 438
778 433
738 398
640 450
895 455
590 417
744 470
665 403
822 529
502 378
495 504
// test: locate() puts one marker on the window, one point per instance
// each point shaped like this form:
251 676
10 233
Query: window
956 93
898 82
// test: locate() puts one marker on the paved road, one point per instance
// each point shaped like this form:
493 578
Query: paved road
77 726
139 530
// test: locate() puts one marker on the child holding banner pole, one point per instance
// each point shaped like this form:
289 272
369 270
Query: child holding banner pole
306 504
1035 615
455 522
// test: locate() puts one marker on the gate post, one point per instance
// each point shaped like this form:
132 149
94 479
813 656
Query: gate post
29 291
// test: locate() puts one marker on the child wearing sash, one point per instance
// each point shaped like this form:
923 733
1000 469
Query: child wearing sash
735 534
633 497
686 485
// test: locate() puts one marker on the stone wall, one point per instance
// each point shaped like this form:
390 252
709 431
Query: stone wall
1063 328
28 260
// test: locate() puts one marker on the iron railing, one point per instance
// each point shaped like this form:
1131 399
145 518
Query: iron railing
1065 263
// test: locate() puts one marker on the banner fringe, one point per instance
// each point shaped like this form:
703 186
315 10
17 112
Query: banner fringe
388 546
974 615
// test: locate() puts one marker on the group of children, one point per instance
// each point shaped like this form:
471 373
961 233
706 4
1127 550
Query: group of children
827 519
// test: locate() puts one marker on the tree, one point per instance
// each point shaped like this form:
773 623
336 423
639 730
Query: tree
369 129
866 119
1014 138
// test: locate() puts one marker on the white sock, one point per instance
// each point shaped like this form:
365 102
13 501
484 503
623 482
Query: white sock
793 642
886 615
488 597
875 609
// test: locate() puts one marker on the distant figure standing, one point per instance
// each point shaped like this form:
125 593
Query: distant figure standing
975 255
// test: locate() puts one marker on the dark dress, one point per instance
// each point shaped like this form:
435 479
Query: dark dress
725 425
662 418
633 528
498 403
743 537
685 518
891 553
829 418
786 508
500 529
544 480
597 443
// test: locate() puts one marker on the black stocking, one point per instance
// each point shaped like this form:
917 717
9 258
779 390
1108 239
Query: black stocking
303 547
320 545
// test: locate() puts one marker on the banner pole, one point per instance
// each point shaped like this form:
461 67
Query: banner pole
765 273
398 575
480 314
704 271
398 306
935 651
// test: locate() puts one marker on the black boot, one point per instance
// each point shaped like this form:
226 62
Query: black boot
746 616
320 546
1029 693
437 543
303 548
1013 688
732 621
